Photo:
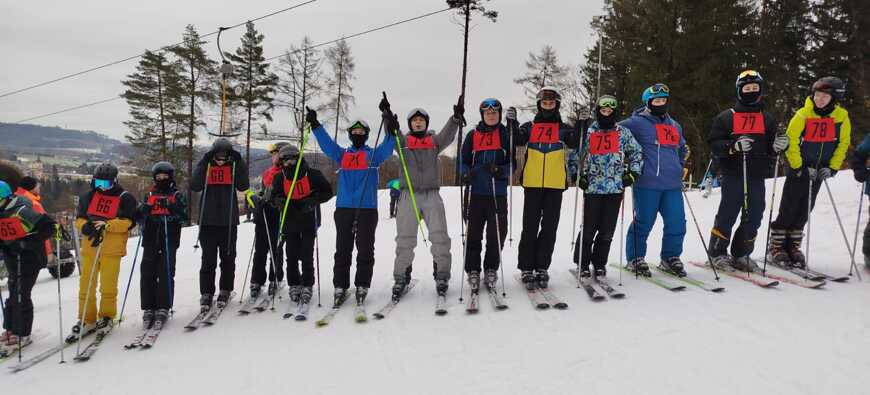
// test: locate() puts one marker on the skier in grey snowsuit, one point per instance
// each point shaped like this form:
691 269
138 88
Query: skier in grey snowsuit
420 148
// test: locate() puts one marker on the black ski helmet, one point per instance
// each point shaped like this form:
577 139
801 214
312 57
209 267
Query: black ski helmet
288 152
163 168
745 78
832 86
221 145
418 112
106 171
10 174
548 93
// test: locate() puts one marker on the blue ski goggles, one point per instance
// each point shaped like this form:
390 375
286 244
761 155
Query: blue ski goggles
103 184
490 104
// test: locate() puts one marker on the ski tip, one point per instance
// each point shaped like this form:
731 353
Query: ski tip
378 316
440 312
286 316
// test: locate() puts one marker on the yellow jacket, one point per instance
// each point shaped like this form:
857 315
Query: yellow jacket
118 224
114 238
817 154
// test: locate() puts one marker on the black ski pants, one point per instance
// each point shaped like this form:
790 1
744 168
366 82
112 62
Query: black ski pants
541 210
600 213
217 242
483 212
366 221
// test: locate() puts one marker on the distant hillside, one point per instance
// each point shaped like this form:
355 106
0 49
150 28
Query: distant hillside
46 138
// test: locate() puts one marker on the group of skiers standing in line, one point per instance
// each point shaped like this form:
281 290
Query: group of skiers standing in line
646 151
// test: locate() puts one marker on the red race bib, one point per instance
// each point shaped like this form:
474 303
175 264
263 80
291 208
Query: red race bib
544 133
420 143
11 229
485 141
820 130
269 175
354 160
667 135
606 142
220 175
301 190
155 210
747 123
104 206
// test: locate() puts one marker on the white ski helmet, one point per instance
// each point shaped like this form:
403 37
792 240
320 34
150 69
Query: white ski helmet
415 112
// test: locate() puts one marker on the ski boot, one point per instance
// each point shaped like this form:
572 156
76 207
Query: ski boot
542 278
295 293
674 266
339 296
256 290
490 278
104 325
160 318
528 278
223 299
441 286
793 247
600 272
305 295
638 266
205 302
724 262
77 329
474 281
361 293
585 273
399 288
12 340
776 252
745 264
147 319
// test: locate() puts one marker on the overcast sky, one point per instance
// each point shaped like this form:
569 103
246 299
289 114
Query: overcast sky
418 64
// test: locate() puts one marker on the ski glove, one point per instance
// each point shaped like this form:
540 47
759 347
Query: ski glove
392 122
743 144
311 118
91 229
780 143
823 173
459 110
511 114
583 182
252 199
628 178
860 174
384 105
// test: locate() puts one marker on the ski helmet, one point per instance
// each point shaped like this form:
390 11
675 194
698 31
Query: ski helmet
222 145
10 174
656 91
490 103
106 171
28 183
288 152
5 190
548 93
745 78
163 168
274 148
418 112
359 124
832 86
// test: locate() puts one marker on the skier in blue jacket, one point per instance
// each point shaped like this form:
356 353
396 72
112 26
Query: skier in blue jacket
356 206
659 188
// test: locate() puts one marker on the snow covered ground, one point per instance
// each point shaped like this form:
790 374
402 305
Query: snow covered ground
747 340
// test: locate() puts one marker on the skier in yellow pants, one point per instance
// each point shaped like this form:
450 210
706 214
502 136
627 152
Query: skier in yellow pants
104 217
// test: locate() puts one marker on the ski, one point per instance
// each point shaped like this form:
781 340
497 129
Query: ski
789 278
757 280
91 349
811 274
26 363
302 312
197 321
553 299
472 306
7 352
331 313
441 305
692 281
264 303
587 286
137 341
828 277
608 289
496 299
213 316
249 305
384 311
153 333
535 297
661 282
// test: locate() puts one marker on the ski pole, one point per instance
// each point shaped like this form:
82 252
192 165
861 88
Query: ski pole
59 304
500 239
233 205
410 187
770 216
132 269
511 185
305 134
317 252
633 227
701 235
857 226
621 231
745 188
248 270
462 203
579 243
95 265
840 222
272 256
20 308
809 226
202 205
169 279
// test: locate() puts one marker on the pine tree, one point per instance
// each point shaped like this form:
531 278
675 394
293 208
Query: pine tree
257 83
542 70
339 91
154 96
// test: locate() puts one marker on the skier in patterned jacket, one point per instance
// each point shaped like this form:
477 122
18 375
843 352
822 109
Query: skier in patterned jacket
611 160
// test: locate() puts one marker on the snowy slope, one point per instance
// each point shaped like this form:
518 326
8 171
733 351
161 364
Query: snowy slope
747 340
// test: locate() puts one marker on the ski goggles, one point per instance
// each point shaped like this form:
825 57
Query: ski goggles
659 88
273 148
103 184
221 158
490 104
608 102
749 73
